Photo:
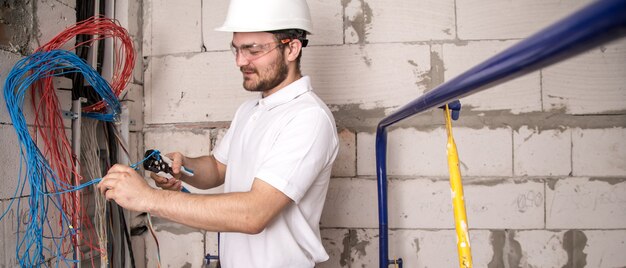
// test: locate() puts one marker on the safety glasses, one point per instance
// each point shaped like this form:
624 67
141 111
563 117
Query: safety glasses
255 51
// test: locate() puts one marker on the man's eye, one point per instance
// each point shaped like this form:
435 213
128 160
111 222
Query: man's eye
255 51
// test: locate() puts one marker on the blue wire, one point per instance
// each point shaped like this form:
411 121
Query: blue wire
44 185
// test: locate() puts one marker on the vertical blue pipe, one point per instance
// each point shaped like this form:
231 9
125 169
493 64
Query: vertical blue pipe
381 173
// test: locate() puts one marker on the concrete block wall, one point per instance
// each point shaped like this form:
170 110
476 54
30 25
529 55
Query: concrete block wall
543 156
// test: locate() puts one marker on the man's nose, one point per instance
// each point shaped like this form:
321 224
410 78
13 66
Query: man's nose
241 60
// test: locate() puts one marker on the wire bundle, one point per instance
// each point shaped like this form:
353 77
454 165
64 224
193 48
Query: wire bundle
91 168
49 121
49 191
100 28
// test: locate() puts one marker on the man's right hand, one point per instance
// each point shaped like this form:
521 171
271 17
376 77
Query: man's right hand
175 183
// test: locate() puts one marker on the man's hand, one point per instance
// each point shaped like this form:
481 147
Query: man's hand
171 184
127 188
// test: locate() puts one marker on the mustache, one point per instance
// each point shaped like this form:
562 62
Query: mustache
248 69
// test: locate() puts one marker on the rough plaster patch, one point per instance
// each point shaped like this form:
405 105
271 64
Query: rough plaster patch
574 242
552 183
611 181
437 69
351 242
359 20
497 238
356 118
514 250
507 252
15 25
416 242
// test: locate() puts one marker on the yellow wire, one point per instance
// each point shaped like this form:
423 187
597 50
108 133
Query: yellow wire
458 202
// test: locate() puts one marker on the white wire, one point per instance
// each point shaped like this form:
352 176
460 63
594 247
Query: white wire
91 168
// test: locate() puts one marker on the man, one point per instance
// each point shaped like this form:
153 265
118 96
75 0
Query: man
274 161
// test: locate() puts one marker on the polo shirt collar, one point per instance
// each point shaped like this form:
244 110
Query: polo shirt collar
287 93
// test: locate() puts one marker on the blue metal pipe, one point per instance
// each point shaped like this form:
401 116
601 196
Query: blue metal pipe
598 23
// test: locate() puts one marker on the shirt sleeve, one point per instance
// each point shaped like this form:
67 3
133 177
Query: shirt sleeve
306 145
220 152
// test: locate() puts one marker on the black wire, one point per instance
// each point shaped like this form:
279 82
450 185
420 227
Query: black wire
130 245
110 242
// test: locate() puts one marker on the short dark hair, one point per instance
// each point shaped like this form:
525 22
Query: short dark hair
292 34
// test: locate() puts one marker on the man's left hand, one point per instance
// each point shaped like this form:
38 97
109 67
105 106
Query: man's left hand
127 188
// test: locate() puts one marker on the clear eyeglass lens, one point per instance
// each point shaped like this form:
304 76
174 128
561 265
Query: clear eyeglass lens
251 52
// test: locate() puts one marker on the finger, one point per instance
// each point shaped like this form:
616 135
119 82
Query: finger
120 168
178 186
177 161
158 179
109 194
167 184
103 186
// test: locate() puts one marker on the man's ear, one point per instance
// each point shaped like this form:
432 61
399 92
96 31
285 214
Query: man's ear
294 48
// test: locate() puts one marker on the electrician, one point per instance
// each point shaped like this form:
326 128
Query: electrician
274 161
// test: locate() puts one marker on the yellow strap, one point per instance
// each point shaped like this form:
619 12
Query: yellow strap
458 203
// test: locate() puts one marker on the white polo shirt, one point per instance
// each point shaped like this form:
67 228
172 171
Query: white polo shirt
288 140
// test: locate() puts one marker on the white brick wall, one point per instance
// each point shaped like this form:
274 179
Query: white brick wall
591 83
377 21
197 142
409 152
327 22
410 200
583 203
493 19
374 71
542 248
366 154
542 152
606 248
599 152
495 204
213 15
417 248
6 65
349 203
437 248
53 17
345 163
520 95
484 152
171 28
504 204
9 146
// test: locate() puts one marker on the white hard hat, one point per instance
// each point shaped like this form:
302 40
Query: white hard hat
267 15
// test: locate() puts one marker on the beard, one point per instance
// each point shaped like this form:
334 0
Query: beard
268 78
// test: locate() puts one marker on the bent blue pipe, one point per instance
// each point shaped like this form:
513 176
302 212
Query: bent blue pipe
598 23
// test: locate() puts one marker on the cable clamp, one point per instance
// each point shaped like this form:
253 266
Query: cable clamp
455 109
69 115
